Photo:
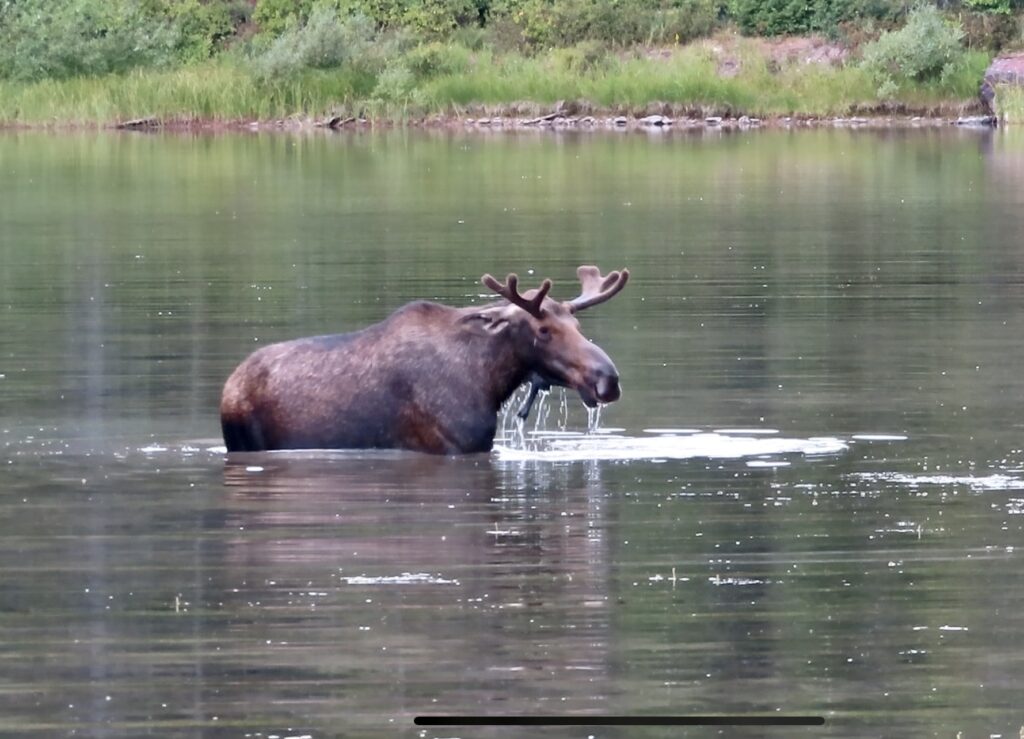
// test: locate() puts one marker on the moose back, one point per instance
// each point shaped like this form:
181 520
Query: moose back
429 378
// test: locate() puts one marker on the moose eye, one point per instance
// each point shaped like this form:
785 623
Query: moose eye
544 332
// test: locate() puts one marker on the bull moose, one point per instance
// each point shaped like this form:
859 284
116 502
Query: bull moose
429 378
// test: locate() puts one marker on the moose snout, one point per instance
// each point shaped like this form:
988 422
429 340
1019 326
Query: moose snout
607 386
602 378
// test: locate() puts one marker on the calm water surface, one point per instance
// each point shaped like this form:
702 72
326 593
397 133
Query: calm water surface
830 322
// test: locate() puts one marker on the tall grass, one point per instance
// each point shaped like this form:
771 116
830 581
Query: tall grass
1010 103
228 90
213 91
689 78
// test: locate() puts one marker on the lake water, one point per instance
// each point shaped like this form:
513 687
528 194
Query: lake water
807 502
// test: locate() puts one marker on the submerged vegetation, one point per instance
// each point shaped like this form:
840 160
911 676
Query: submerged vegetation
97 61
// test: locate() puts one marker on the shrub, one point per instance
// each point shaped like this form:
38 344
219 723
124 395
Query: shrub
435 59
993 31
324 41
1000 7
540 23
45 39
202 25
926 48
274 17
585 56
779 17
438 18
682 22
395 84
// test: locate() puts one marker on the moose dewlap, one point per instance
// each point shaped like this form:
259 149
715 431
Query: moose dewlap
430 377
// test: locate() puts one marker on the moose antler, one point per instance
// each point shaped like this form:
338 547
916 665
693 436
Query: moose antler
510 291
597 289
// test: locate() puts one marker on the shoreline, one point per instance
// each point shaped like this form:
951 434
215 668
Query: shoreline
552 122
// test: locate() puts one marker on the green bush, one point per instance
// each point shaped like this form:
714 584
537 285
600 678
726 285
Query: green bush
682 22
585 56
1000 7
427 18
202 25
927 48
56 40
323 41
436 59
993 31
274 17
395 84
545 24
781 17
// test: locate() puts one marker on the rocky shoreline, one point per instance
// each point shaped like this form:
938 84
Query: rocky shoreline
553 122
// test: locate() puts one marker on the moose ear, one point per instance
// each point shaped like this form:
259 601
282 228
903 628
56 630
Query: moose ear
489 321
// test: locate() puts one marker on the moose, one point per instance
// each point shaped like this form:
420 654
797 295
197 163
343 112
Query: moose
430 377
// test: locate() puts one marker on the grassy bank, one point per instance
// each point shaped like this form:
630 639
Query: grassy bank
1010 103
705 77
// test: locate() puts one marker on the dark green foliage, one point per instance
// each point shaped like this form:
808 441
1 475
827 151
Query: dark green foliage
550 23
1000 7
275 16
201 25
51 39
782 17
992 31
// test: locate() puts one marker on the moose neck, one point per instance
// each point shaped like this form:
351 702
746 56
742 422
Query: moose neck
501 368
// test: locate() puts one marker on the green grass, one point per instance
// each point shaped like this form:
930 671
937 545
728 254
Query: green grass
1010 103
689 79
217 92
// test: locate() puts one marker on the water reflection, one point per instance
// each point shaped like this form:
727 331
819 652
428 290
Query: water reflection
855 292
475 582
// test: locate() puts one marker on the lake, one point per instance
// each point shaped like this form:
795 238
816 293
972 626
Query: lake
807 502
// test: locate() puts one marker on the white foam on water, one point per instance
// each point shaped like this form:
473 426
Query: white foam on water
672 432
710 445
748 432
741 581
988 482
879 437
406 578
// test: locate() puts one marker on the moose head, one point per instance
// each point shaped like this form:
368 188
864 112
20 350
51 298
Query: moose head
547 334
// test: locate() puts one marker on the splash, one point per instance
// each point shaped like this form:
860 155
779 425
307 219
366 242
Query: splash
569 447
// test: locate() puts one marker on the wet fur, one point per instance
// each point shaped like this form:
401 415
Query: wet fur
428 378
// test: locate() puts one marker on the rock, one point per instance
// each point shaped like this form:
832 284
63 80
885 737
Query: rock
976 121
655 120
713 120
620 120
335 121
743 120
148 122
483 122
587 120
1005 69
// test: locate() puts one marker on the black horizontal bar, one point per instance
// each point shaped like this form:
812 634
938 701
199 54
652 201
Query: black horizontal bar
619 720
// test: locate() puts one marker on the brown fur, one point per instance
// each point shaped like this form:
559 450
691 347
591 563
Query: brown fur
429 378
